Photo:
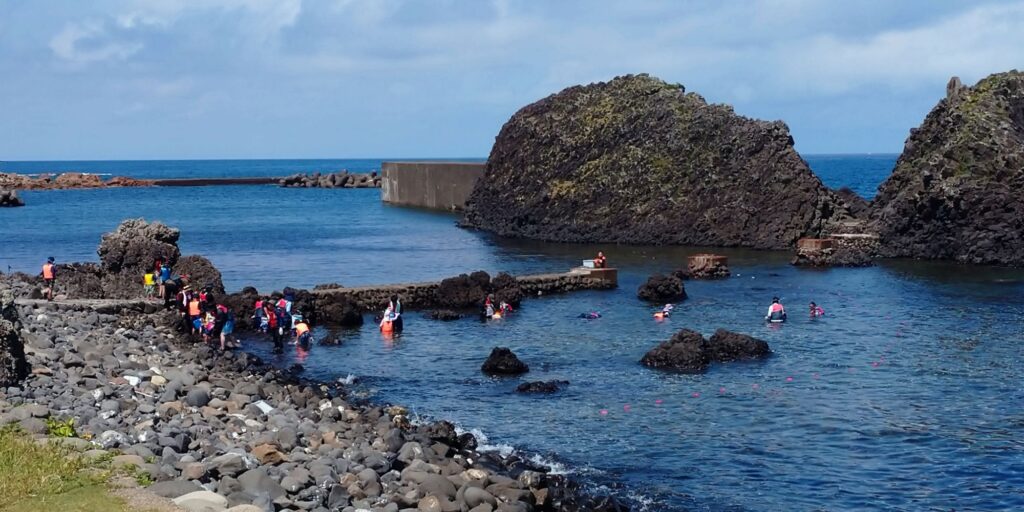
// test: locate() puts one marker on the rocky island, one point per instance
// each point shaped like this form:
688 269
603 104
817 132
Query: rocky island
638 160
956 191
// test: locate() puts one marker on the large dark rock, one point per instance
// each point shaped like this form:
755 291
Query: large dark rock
463 291
201 273
685 351
688 351
339 310
662 288
730 346
136 244
638 160
506 288
13 366
957 191
125 255
503 362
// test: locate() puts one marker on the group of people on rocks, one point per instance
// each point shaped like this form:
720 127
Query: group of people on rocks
203 316
274 315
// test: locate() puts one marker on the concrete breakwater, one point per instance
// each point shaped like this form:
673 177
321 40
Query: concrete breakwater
459 292
435 185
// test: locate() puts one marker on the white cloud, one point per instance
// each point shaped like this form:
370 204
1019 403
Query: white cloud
87 42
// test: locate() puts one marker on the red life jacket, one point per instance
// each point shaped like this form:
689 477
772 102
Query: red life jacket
776 307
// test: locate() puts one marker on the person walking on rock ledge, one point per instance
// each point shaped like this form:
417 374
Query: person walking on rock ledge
49 274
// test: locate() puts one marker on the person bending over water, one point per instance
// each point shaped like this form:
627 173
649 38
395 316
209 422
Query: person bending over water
302 335
776 313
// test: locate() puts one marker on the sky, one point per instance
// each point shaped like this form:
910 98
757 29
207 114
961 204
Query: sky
163 79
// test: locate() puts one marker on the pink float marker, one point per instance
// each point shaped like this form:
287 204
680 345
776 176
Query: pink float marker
658 401
815 375
604 412
696 395
721 390
789 379
874 364
626 407
755 386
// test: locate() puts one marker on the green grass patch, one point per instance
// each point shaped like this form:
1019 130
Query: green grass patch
51 476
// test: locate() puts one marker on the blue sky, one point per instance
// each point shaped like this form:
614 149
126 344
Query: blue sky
123 79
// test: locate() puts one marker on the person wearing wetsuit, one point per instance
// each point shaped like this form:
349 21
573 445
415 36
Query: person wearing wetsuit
776 313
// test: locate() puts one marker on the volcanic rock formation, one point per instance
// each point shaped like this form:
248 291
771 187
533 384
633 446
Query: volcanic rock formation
662 288
125 255
688 351
503 361
638 160
957 191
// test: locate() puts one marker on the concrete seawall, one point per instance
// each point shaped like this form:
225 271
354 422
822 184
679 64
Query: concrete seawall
435 185
423 296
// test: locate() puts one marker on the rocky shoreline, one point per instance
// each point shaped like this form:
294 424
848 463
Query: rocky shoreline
214 430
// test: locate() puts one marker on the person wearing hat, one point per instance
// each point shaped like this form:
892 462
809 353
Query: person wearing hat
49 274
776 313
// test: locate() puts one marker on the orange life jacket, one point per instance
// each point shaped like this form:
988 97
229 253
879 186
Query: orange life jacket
48 271
193 307
301 328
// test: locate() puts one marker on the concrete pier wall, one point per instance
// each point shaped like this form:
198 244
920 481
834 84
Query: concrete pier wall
435 185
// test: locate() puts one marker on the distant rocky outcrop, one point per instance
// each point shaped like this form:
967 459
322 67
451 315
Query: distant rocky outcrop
545 387
342 179
9 198
688 351
957 191
638 160
67 180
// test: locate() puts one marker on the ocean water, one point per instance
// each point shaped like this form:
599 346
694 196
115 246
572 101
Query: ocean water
905 396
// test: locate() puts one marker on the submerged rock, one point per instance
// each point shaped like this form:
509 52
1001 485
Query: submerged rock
638 160
445 315
550 386
503 362
957 191
662 288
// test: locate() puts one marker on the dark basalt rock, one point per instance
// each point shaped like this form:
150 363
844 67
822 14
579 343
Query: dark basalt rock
730 346
13 366
662 288
688 351
464 291
506 288
201 273
638 160
503 362
957 191
685 351
550 386
135 244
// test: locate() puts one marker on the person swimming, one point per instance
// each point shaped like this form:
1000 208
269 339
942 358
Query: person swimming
776 312
590 316
816 310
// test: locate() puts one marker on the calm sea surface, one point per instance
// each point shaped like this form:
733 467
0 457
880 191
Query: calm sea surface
906 396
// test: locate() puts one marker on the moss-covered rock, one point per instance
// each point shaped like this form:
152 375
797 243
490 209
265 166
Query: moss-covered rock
638 160
957 191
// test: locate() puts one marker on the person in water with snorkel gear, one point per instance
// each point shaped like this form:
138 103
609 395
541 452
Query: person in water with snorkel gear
776 312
